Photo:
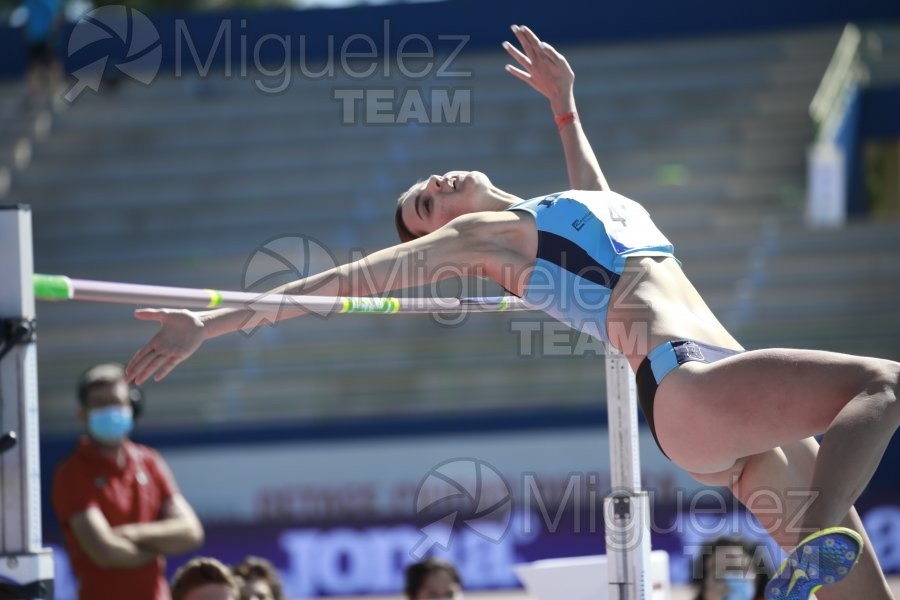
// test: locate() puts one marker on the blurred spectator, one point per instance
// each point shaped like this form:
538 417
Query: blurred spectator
42 22
258 579
731 568
118 503
433 578
204 578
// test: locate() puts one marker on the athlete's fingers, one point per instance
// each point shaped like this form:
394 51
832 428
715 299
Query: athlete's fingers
170 364
155 365
524 42
532 40
553 53
137 367
149 314
137 360
149 367
517 55
520 74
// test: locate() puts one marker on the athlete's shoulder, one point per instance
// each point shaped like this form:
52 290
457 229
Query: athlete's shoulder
499 231
491 220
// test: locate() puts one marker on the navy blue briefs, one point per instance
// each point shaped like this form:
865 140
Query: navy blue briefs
661 361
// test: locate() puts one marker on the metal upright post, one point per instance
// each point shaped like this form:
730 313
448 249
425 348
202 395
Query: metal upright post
26 568
626 511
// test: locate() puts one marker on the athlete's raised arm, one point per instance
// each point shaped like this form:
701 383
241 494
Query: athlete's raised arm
461 244
547 71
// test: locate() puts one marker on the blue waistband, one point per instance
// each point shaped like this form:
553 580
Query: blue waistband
669 355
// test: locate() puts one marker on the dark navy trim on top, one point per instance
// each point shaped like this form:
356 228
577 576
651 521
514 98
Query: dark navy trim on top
567 255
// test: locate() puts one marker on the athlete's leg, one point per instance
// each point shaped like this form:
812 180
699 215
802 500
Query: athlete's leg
774 486
709 416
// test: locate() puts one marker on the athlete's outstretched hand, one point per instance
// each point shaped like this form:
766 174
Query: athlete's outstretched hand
181 332
543 68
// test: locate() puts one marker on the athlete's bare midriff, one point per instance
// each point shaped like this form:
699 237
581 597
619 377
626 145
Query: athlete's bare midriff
654 302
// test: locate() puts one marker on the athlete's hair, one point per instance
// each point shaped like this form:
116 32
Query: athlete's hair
402 230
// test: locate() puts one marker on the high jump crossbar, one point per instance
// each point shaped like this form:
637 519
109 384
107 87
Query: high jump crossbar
60 287
23 560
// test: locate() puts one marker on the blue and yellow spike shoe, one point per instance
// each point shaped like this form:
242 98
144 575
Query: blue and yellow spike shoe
822 558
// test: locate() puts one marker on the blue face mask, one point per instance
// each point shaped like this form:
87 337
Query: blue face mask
739 588
110 424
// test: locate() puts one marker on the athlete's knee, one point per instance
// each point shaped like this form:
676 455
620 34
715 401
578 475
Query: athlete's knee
884 385
885 379
891 380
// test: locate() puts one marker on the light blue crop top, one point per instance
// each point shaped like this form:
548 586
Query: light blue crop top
584 238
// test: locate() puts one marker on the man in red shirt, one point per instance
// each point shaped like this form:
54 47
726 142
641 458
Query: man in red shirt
117 501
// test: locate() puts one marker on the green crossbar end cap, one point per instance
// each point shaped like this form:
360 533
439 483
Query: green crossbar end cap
52 287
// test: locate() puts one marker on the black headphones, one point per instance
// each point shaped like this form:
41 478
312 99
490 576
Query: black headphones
110 373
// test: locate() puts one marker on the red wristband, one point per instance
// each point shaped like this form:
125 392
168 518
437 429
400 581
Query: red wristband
565 119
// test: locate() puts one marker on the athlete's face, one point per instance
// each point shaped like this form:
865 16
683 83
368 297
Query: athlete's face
434 202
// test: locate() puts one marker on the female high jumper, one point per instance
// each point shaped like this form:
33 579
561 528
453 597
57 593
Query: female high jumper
594 260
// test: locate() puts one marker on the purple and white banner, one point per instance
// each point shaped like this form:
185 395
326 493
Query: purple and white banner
335 560
344 517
